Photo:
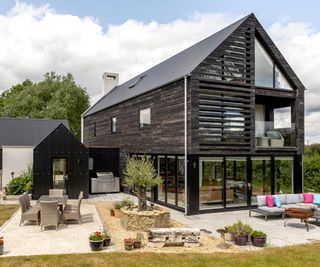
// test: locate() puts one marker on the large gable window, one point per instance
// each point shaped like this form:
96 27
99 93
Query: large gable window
145 117
267 73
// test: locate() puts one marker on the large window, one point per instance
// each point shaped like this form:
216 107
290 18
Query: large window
211 183
261 177
145 117
283 175
267 73
113 124
236 181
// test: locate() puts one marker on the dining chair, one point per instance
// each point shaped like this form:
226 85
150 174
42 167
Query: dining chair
49 213
55 192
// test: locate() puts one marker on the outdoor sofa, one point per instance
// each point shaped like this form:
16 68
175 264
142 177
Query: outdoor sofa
287 201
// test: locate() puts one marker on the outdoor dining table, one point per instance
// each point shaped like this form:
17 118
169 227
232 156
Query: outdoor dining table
61 200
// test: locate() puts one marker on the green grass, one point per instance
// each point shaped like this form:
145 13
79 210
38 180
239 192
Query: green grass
304 255
6 212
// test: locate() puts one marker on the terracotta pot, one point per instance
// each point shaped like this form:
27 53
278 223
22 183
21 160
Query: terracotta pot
107 242
241 240
117 213
258 241
112 212
137 244
96 245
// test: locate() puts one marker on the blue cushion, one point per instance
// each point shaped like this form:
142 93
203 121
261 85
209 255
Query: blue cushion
316 199
277 201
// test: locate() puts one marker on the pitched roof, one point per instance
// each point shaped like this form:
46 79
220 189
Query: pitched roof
26 132
165 72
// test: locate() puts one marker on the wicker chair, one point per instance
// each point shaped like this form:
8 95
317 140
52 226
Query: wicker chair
28 213
72 212
50 213
55 192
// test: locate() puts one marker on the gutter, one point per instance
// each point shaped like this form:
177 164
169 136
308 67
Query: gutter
186 204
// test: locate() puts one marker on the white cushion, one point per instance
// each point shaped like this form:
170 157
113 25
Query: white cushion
261 201
293 198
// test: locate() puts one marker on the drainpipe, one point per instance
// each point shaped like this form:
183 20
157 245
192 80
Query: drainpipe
185 148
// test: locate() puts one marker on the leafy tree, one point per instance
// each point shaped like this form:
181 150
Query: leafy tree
141 174
56 97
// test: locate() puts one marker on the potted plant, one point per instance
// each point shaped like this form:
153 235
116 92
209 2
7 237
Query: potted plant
96 240
107 239
1 245
138 240
258 238
229 235
128 243
112 212
241 233
116 209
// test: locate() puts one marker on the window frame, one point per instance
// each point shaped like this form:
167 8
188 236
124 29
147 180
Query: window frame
141 125
115 125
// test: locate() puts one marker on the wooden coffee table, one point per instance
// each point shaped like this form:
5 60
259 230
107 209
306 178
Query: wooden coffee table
297 213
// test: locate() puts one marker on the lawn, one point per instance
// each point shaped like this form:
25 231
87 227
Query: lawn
6 212
305 255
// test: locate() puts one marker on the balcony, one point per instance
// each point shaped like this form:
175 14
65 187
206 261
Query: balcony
268 135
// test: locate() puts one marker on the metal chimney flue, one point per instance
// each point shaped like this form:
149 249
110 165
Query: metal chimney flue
109 81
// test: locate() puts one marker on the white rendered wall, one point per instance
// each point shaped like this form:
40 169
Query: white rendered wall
15 159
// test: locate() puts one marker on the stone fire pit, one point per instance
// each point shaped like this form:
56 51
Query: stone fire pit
134 220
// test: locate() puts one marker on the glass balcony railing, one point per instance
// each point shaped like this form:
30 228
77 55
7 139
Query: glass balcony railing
274 136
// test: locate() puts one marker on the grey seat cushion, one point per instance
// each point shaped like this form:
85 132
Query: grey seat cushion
272 210
294 198
261 201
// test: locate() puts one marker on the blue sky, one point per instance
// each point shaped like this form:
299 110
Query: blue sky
89 37
118 11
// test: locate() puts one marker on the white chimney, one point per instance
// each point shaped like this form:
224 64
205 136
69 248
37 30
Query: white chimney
109 81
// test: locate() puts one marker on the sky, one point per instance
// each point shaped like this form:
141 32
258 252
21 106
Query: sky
88 38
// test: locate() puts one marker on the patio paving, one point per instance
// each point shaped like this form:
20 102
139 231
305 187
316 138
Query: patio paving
28 239
295 233
73 238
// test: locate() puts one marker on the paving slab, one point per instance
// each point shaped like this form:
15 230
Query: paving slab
28 239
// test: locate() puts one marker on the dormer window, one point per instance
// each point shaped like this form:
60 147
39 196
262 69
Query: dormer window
267 73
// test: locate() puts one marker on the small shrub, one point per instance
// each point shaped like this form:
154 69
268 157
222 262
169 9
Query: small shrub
139 236
241 229
21 184
259 234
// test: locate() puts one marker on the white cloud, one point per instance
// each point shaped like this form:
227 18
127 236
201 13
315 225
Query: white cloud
36 39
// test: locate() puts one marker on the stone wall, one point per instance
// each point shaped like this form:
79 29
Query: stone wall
134 220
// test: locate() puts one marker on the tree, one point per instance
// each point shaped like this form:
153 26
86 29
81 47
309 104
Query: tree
140 174
56 97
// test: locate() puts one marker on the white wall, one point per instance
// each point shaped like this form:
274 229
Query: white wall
15 159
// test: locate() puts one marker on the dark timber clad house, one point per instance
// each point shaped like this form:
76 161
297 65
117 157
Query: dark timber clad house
230 104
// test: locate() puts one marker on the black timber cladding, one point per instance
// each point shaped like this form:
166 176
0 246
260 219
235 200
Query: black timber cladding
105 160
165 134
222 86
165 72
61 143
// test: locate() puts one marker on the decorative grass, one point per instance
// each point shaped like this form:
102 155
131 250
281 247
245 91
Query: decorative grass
303 255
6 212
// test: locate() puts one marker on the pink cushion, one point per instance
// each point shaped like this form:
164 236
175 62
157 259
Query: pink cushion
270 201
308 198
